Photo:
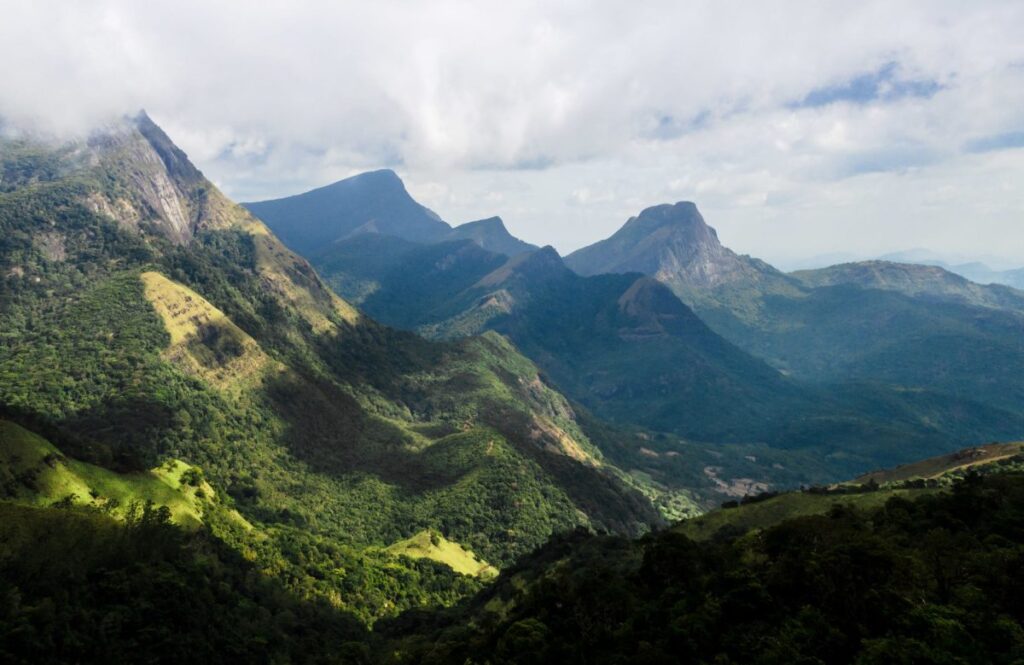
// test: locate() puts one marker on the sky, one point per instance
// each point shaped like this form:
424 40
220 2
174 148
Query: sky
800 129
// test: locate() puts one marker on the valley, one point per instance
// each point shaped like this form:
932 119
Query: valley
411 423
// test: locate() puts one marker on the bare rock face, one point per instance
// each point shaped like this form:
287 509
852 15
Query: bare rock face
167 194
132 173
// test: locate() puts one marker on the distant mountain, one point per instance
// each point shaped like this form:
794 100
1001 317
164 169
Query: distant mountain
622 345
904 326
924 281
625 347
374 202
491 235
973 269
673 244
981 273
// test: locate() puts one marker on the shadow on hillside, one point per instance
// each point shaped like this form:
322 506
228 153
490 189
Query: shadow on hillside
329 430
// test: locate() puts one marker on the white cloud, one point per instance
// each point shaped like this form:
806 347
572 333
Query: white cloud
568 116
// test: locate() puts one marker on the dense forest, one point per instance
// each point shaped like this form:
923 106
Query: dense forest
138 331
936 579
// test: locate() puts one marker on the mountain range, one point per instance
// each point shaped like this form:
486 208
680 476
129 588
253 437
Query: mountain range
260 430
661 327
975 269
374 202
914 326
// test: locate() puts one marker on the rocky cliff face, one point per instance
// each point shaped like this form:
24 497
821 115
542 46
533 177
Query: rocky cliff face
132 173
162 199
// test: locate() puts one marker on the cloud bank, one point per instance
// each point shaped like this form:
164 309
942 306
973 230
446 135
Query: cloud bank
799 127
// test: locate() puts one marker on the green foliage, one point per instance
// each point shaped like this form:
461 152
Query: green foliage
932 580
32 470
849 332
354 437
76 586
625 348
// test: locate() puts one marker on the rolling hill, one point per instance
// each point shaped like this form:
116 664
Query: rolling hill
919 281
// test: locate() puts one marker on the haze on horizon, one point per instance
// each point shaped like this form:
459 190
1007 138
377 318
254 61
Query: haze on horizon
799 129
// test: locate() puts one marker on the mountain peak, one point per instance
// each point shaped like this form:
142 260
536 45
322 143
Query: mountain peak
372 202
681 217
490 223
160 189
540 264
678 211
672 243
174 158
548 255
492 235
379 176
662 237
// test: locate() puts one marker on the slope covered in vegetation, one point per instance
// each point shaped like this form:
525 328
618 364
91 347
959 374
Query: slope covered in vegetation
147 318
929 580
625 347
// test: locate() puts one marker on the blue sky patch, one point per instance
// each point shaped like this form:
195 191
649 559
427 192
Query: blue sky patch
884 84
994 142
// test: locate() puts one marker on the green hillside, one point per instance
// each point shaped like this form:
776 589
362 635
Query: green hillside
766 513
849 332
912 578
624 347
80 586
869 491
977 459
33 471
147 318
931 282
432 545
